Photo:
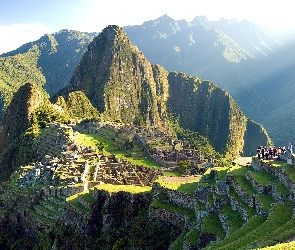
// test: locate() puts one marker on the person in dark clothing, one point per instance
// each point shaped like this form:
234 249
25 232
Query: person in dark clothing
266 154
259 152
262 152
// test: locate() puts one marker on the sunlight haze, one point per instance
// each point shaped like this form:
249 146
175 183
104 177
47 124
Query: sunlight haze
26 21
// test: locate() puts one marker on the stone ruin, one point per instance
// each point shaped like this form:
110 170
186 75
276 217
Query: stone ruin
166 156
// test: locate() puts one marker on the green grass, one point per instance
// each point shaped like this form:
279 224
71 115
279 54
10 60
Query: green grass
173 207
266 201
280 215
251 211
221 172
281 188
178 243
245 184
234 218
172 173
212 224
262 177
290 170
52 204
285 231
89 198
210 199
249 226
193 237
185 187
41 217
45 210
127 188
75 202
239 170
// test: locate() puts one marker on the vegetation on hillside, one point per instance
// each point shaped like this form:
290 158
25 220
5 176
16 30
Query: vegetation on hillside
17 70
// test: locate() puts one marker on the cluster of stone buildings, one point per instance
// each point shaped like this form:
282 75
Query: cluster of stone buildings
63 162
157 145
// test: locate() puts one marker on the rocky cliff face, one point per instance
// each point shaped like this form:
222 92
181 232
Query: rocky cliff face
16 120
124 86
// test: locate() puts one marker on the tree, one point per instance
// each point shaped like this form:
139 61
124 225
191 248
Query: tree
100 146
184 166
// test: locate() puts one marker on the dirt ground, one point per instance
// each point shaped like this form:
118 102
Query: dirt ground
243 161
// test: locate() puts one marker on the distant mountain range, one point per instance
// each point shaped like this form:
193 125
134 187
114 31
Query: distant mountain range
237 56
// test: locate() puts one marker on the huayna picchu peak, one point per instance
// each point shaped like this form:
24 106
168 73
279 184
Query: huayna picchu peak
129 155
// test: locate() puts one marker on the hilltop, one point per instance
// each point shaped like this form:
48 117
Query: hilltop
49 62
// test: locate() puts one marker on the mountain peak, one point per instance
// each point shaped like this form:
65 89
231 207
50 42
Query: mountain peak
201 20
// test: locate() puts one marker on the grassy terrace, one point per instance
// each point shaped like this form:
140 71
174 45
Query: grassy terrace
126 188
188 187
192 236
249 226
110 148
250 210
75 202
262 177
212 224
221 172
280 215
234 218
266 201
285 231
290 170
178 243
245 184
41 217
239 173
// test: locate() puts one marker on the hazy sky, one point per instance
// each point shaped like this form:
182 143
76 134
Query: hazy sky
24 21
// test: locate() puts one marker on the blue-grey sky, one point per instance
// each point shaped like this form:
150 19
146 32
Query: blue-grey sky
24 21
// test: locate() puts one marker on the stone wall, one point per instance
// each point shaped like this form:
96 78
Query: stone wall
249 199
173 196
262 189
278 172
170 217
237 206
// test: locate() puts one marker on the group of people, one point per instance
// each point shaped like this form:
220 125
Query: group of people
273 152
